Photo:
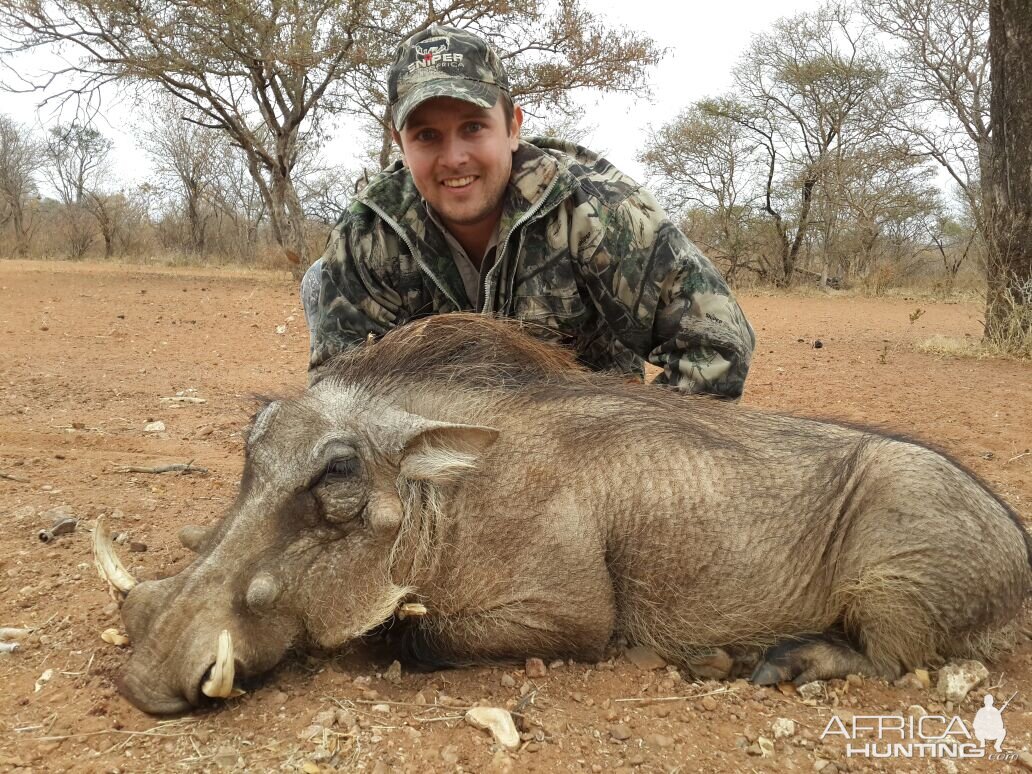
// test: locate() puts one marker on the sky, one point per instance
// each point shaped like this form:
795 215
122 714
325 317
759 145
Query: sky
704 40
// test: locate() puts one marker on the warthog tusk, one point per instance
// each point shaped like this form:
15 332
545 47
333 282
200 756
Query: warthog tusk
220 684
411 610
108 564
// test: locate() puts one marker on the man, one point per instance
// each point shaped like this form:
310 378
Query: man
542 231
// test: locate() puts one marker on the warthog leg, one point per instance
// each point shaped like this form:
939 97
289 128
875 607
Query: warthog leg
812 657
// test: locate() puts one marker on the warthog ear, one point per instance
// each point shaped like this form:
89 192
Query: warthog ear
440 452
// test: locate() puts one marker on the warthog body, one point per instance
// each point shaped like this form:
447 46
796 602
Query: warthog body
535 509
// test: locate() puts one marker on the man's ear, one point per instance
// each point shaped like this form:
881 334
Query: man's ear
517 123
397 139
441 452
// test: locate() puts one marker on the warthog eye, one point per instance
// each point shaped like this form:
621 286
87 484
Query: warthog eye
342 467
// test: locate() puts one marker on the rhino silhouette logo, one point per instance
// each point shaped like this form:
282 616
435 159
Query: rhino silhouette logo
432 47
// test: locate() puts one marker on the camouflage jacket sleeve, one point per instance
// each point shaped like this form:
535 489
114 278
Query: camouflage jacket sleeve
699 335
353 300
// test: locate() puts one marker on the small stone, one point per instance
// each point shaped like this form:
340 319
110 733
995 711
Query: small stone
326 719
344 718
916 711
535 668
498 721
383 709
621 732
281 329
766 747
822 766
312 731
450 755
709 703
783 728
154 427
712 666
814 691
659 740
635 759
137 548
957 678
644 658
500 763
114 637
910 681
393 673
226 757
278 697
924 678
557 664
508 681
310 767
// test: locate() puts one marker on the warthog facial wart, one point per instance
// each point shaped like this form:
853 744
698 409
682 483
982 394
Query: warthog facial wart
474 494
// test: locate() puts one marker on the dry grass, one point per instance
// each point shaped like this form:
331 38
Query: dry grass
980 349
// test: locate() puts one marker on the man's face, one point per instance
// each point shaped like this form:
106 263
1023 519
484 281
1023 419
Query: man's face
460 157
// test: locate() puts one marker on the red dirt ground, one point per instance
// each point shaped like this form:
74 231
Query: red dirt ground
90 351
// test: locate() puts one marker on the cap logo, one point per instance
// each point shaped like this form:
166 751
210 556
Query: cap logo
433 52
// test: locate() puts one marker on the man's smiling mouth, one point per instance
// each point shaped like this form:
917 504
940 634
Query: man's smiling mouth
458 182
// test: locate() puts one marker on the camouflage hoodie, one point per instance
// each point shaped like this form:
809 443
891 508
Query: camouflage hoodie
585 256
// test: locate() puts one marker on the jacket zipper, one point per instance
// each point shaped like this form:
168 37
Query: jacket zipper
500 255
412 249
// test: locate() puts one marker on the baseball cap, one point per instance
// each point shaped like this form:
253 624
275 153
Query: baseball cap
444 62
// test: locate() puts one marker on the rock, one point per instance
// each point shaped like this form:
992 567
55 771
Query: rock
281 329
659 740
500 763
498 721
644 657
621 732
709 703
226 758
278 697
957 678
508 681
635 759
712 666
344 718
909 680
916 711
535 668
383 709
114 637
924 678
783 728
311 732
326 719
557 664
450 755
822 766
814 691
154 427
393 673
137 548
310 767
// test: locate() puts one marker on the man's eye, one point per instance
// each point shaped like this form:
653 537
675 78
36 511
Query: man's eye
473 127
425 135
342 466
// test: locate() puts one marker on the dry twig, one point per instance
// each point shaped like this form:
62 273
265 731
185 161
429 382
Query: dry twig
648 699
181 468
12 477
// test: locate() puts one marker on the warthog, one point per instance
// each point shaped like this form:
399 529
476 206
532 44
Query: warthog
475 483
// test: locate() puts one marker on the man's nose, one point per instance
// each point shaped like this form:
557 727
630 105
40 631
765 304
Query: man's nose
455 152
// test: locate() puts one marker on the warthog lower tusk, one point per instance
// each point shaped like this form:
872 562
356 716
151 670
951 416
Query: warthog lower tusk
108 564
411 610
220 684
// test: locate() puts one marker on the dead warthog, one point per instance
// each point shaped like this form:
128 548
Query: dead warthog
472 481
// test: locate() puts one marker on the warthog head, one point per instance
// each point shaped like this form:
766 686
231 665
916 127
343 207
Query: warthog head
311 550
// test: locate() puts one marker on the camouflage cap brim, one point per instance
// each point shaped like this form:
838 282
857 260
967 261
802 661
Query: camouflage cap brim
478 93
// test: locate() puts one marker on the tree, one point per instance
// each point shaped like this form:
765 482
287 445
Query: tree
77 158
20 162
942 65
806 91
1008 316
704 161
263 72
185 158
